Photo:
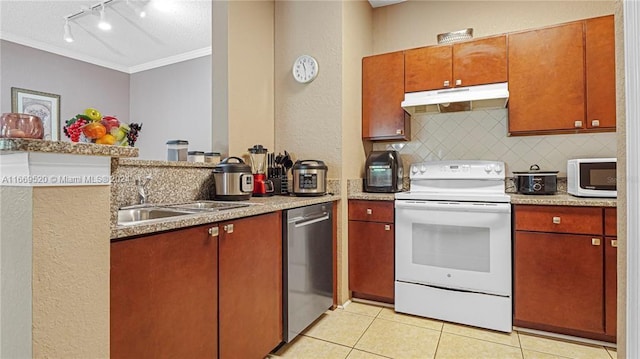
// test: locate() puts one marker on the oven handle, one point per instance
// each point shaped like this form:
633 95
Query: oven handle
456 206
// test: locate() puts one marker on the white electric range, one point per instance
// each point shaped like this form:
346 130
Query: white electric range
453 244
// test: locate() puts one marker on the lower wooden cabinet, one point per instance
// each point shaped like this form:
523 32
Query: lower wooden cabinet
371 250
565 270
250 270
559 280
610 271
192 293
164 292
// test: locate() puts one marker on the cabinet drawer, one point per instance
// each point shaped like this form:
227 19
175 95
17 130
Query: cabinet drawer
561 219
373 211
610 222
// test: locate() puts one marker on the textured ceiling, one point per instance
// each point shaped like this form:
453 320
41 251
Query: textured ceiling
177 30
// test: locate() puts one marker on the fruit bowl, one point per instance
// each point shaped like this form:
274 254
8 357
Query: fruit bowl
21 125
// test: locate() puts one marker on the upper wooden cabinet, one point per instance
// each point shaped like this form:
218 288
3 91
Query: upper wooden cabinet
470 63
600 72
382 93
546 79
562 78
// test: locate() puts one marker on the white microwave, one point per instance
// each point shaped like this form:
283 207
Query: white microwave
592 177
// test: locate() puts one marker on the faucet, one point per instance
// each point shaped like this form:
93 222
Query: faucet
142 189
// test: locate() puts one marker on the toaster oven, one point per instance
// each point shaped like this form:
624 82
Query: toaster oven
383 172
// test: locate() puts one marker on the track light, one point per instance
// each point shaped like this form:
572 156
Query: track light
68 37
138 9
104 24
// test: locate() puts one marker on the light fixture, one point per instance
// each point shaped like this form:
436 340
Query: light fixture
104 24
140 10
68 37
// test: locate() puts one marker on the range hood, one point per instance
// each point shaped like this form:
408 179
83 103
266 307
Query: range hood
457 99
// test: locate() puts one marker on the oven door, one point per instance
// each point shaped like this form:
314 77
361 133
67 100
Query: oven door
454 245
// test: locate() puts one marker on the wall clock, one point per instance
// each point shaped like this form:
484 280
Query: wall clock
305 69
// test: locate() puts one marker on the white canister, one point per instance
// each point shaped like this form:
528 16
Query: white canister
177 150
195 156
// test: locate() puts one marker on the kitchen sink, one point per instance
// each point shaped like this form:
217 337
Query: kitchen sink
147 214
211 205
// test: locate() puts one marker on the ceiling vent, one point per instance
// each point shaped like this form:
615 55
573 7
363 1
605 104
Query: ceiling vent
455 36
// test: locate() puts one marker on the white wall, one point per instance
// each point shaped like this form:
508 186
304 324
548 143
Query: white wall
172 102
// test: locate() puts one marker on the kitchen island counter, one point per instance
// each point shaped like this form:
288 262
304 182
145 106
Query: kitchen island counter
259 205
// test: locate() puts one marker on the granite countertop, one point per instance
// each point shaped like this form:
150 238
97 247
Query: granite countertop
559 199
260 205
8 145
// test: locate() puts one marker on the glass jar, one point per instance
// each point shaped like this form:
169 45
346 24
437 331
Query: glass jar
212 157
177 150
195 156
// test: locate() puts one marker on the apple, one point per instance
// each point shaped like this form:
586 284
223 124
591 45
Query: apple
93 114
110 122
119 133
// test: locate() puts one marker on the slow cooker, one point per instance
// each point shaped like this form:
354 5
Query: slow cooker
233 180
309 178
536 181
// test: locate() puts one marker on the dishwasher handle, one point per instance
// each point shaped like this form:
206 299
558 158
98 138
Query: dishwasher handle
307 220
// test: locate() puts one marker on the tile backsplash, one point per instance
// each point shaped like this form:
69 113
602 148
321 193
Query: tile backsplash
482 135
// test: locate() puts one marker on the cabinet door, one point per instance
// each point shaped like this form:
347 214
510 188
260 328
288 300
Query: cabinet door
164 296
428 68
371 260
611 284
480 62
382 93
546 79
250 279
600 73
558 281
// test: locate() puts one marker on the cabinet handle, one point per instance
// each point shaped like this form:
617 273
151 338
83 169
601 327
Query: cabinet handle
399 131
556 220
446 83
595 123
614 243
213 231
387 227
458 82
228 228
577 124
595 241
369 211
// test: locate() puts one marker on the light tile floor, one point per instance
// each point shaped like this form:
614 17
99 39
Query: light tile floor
363 331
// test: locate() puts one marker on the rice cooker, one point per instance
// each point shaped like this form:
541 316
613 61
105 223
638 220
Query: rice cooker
309 178
233 180
536 181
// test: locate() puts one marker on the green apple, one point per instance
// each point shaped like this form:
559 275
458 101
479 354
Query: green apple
93 114
119 133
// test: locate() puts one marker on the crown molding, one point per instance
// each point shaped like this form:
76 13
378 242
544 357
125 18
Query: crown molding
95 61
171 60
61 51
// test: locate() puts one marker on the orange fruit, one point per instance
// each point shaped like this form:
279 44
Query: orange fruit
107 139
94 130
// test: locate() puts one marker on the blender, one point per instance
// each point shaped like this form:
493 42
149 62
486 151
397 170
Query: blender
261 185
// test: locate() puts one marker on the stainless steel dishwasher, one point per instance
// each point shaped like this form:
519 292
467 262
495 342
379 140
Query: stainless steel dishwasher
308 266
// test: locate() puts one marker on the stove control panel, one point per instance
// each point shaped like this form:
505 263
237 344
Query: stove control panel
471 169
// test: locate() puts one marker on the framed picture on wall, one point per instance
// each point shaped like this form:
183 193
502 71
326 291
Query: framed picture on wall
41 104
